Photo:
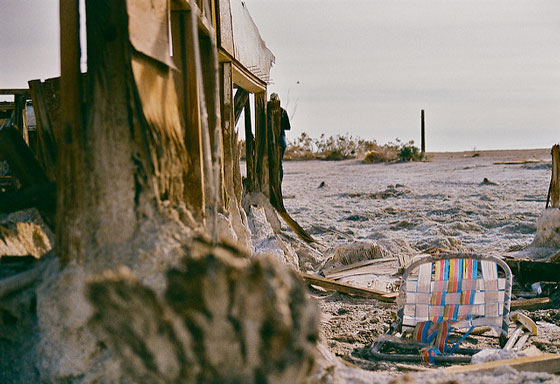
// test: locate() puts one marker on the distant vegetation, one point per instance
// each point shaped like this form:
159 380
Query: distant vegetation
343 147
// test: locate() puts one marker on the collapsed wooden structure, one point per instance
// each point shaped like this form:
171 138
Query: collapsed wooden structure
140 159
192 66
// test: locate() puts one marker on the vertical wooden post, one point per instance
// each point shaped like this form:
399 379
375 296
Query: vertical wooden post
423 132
274 130
210 80
554 190
261 149
69 244
19 112
249 147
187 88
228 127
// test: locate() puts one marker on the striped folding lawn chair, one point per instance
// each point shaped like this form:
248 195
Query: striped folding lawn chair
442 293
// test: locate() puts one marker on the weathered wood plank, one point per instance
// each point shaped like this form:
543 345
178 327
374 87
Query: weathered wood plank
225 35
14 91
360 268
536 303
211 86
349 289
45 117
194 181
542 363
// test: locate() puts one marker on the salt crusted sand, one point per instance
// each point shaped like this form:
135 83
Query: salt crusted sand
457 201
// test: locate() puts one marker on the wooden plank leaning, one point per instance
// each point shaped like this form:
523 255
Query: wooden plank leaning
389 297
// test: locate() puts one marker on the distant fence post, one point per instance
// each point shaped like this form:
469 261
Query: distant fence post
554 189
423 132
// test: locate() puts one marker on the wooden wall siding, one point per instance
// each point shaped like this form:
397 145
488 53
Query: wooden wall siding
225 32
249 49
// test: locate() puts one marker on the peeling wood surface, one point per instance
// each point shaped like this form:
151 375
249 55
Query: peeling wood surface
148 27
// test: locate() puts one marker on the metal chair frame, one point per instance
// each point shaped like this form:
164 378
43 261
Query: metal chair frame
413 345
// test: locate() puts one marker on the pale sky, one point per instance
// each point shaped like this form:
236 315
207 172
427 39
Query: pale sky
486 72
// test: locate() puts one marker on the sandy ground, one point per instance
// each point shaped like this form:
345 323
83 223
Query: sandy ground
406 208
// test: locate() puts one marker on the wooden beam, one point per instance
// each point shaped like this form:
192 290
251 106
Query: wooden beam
536 303
349 289
15 91
246 80
549 362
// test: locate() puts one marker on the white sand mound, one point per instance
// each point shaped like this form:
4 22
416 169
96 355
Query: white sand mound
548 229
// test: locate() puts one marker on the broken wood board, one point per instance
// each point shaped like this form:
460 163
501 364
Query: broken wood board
531 271
385 269
536 303
349 289
549 363
356 266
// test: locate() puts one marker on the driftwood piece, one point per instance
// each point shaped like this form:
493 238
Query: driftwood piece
349 289
549 363
531 271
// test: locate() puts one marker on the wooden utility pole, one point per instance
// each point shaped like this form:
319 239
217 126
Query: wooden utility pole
554 190
423 132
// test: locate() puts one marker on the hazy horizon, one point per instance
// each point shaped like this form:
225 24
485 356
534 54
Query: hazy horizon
487 73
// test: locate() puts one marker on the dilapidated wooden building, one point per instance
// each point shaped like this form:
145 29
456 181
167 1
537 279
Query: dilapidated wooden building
153 254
